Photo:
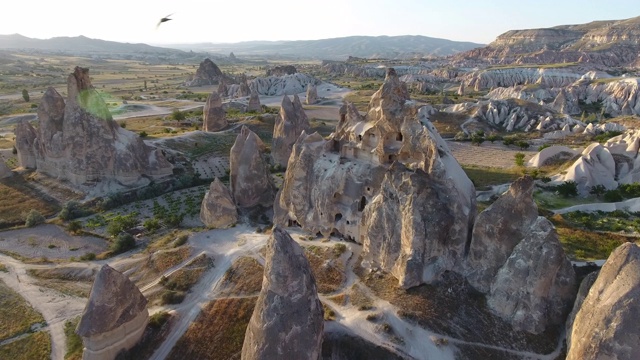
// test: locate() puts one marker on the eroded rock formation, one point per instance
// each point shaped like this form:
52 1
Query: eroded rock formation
287 322
115 316
312 94
254 102
515 258
345 185
208 73
606 324
281 70
80 142
214 116
218 210
250 179
288 127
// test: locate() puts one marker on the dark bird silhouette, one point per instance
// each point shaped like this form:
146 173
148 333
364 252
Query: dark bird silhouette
164 19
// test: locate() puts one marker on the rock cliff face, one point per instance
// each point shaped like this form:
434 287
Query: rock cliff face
26 136
610 43
606 324
218 210
214 116
208 73
254 102
80 142
287 322
350 183
312 95
282 85
115 316
515 258
288 127
493 78
250 179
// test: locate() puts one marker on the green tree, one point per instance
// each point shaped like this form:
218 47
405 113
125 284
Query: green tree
493 137
124 242
508 141
477 139
523 145
34 218
598 190
177 115
519 159
567 189
25 95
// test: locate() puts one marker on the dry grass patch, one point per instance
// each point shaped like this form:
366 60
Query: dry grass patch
217 333
243 278
36 346
18 198
487 176
186 277
327 268
74 341
16 315
359 298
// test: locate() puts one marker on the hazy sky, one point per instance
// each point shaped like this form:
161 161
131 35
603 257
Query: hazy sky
242 20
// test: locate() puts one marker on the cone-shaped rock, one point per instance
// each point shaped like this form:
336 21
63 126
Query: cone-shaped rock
312 94
214 115
254 102
287 322
218 209
26 136
251 183
115 316
606 325
208 73
288 127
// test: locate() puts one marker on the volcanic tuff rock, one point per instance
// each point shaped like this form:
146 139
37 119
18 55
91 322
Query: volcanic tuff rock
288 127
218 210
287 322
115 315
312 94
80 142
492 78
250 180
583 291
606 325
26 136
5 172
282 70
213 113
208 73
552 155
282 85
515 258
610 43
337 186
595 166
254 102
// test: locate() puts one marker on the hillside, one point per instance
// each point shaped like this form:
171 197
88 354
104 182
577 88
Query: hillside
610 43
394 47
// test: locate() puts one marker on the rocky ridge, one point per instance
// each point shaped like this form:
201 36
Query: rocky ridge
80 142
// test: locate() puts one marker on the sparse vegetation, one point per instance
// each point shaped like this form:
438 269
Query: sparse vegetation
34 218
567 189
36 346
74 341
16 315
123 242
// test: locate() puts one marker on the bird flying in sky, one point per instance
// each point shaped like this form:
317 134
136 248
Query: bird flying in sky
164 19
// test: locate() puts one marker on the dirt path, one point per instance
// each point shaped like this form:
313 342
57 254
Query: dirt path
56 308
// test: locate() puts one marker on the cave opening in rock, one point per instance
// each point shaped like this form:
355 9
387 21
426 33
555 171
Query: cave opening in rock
338 217
363 203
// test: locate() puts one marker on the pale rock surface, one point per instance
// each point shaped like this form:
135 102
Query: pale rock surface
115 316
25 138
79 141
515 258
606 324
596 166
5 172
250 180
218 210
254 102
288 127
535 288
343 185
493 78
282 85
312 94
552 154
214 116
287 322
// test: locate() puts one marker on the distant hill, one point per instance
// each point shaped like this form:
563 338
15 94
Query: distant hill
78 44
390 47
610 43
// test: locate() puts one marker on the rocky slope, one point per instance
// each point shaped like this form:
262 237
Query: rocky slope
287 322
605 326
344 185
610 43
291 122
80 142
250 180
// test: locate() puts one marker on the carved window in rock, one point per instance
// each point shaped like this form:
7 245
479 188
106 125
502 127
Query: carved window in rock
338 217
399 137
363 203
